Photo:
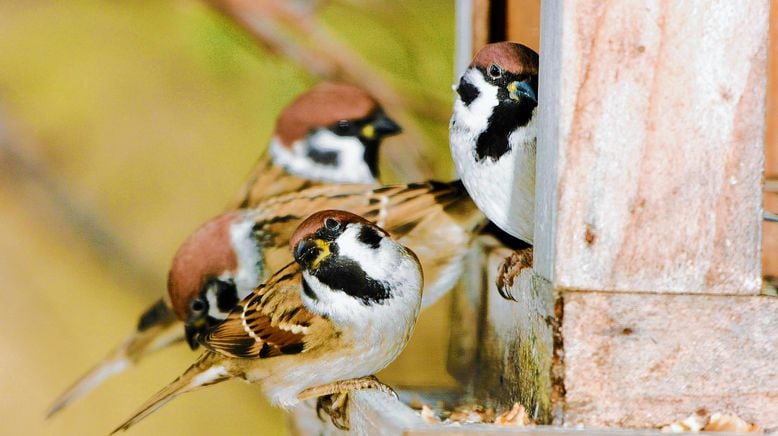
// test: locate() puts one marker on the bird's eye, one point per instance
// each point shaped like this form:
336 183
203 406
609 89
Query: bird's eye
495 72
197 305
331 224
343 126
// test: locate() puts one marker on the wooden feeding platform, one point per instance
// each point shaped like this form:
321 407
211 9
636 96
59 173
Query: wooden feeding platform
643 302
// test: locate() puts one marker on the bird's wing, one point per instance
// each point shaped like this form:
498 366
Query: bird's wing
398 209
267 180
271 321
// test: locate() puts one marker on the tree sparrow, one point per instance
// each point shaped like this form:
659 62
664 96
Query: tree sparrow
329 134
225 259
323 324
492 135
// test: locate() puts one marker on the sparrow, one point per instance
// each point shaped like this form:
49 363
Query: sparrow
438 221
329 134
323 324
493 132
225 259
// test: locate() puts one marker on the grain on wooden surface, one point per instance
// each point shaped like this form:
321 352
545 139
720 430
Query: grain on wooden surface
517 346
523 22
771 131
638 360
651 145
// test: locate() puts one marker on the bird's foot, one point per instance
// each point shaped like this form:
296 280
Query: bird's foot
510 269
336 407
332 398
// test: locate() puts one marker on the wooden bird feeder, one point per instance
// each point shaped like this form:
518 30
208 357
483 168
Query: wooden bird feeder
644 302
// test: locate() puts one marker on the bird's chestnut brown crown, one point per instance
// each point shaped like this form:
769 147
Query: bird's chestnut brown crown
500 57
326 221
206 254
326 106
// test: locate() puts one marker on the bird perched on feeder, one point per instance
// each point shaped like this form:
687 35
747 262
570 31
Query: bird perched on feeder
328 135
435 220
225 259
321 325
492 135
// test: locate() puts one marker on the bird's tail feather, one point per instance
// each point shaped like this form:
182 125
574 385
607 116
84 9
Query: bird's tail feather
149 337
206 371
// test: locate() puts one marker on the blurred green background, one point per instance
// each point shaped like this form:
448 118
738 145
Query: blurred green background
123 126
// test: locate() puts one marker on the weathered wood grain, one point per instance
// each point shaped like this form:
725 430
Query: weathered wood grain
516 342
771 130
639 360
770 230
523 22
650 152
375 413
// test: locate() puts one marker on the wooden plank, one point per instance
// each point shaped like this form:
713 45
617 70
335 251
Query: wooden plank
481 24
651 144
524 22
375 413
638 360
770 230
517 342
771 134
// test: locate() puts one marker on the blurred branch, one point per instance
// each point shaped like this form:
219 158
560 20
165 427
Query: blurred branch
45 195
325 57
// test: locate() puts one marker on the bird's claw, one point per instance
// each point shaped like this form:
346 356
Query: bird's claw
336 407
510 269
332 398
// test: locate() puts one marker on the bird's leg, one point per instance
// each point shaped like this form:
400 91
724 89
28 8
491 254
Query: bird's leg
333 398
510 269
346 386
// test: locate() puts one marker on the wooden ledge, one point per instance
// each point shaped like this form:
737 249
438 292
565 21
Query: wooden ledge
376 413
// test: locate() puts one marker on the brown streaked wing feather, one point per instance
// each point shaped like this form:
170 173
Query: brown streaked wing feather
267 180
270 322
396 208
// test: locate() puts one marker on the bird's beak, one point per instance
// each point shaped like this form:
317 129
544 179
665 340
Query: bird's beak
382 126
310 252
523 89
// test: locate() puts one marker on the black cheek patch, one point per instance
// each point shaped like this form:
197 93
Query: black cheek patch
329 158
369 236
467 91
226 295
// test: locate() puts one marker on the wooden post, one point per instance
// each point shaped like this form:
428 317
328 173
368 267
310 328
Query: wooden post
770 233
651 145
649 208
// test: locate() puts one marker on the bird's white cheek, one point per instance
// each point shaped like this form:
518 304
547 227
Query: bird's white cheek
250 259
475 116
349 168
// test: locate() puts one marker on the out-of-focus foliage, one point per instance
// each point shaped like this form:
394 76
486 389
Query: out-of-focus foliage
147 115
